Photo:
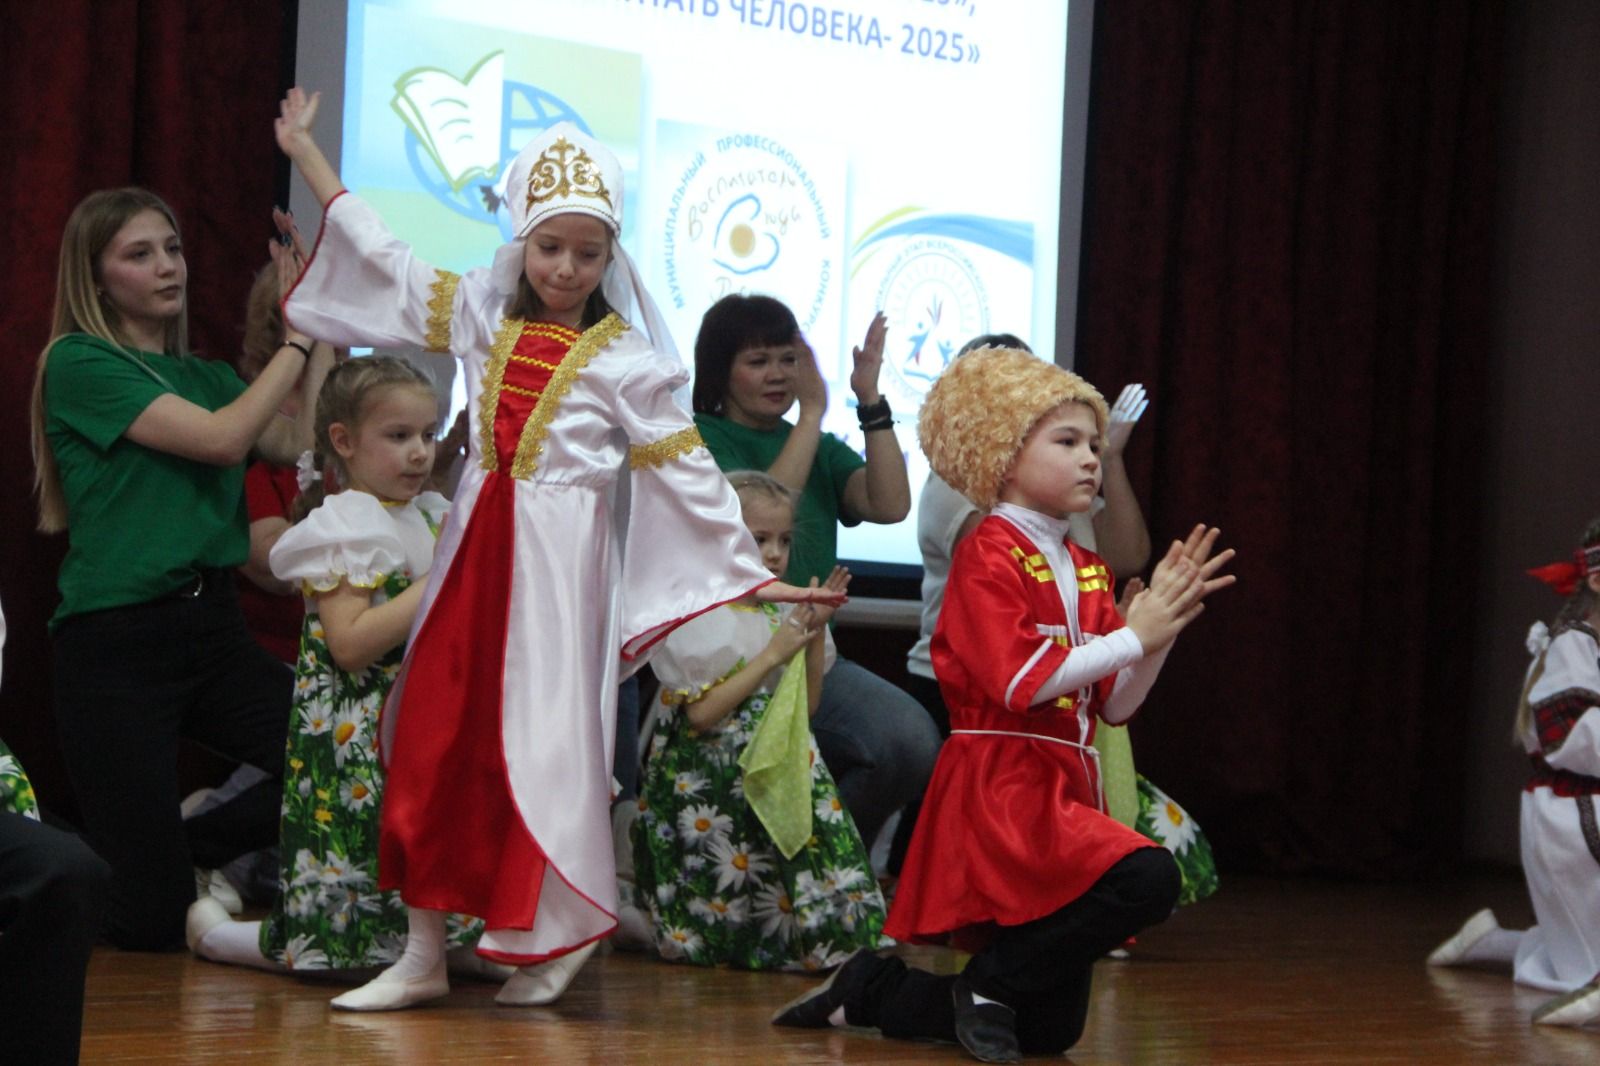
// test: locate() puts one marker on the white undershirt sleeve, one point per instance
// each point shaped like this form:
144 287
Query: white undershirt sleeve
1090 662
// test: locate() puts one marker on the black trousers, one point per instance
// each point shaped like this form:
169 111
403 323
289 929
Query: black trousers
52 895
129 683
1040 969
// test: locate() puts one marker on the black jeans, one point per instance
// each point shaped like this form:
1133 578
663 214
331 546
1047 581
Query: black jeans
1040 969
129 683
52 895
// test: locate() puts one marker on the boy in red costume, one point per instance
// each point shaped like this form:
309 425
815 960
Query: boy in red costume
1014 858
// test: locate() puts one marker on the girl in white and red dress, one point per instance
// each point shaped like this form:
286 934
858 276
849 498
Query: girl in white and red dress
1558 725
1013 856
498 733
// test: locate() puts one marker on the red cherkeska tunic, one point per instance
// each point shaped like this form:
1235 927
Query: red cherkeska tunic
1011 828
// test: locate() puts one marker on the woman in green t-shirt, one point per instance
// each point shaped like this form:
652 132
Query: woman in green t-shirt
751 366
139 451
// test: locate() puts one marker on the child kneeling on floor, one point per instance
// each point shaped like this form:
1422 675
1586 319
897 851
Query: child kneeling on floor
1014 858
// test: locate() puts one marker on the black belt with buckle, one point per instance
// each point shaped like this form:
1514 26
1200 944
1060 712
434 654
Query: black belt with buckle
192 588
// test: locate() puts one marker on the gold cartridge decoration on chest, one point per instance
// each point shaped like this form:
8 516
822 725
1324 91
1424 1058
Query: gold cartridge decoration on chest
565 171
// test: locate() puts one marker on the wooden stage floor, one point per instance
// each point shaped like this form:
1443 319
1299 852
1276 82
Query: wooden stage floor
1293 971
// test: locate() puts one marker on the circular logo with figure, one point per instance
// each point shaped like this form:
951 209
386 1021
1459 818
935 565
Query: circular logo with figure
935 303
747 216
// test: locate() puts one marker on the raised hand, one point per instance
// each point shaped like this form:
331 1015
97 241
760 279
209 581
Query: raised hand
285 265
1131 403
296 114
809 388
867 361
289 232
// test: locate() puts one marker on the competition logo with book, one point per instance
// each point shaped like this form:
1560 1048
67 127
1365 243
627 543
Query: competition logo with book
461 133
750 213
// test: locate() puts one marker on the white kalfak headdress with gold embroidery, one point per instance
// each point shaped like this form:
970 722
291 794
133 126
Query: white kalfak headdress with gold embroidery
565 171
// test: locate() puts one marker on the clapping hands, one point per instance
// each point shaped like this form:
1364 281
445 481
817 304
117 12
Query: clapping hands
288 251
807 619
1178 588
826 597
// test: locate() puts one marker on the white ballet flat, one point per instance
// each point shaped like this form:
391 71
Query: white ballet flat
1581 1006
1452 951
536 986
205 914
384 992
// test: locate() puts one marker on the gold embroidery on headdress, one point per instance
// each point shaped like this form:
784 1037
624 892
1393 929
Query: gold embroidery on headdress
555 175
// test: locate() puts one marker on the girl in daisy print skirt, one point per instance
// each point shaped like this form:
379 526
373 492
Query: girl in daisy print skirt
743 853
361 557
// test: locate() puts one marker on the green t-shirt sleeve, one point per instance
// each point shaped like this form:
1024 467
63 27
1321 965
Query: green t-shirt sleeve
94 391
838 461
724 444
223 383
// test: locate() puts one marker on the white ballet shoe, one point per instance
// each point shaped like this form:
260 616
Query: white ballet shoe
536 986
1581 1006
466 962
215 884
387 992
1452 951
205 914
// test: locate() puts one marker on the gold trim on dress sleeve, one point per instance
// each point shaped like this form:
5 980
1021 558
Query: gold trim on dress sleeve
659 453
441 309
534 431
682 697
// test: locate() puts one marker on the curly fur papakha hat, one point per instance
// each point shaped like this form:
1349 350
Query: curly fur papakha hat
977 415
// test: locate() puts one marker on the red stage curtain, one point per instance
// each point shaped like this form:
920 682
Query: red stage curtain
1287 237
175 96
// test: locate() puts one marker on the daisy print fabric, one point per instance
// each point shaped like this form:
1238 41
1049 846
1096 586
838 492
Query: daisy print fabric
718 890
329 913
1166 823
16 794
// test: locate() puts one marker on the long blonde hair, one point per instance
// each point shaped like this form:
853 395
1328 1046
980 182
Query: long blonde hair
81 308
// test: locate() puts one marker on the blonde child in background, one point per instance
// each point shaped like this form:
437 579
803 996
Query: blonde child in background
1558 725
584 520
361 557
731 868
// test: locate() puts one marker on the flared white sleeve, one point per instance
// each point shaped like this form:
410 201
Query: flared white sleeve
1565 703
686 548
349 538
365 286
